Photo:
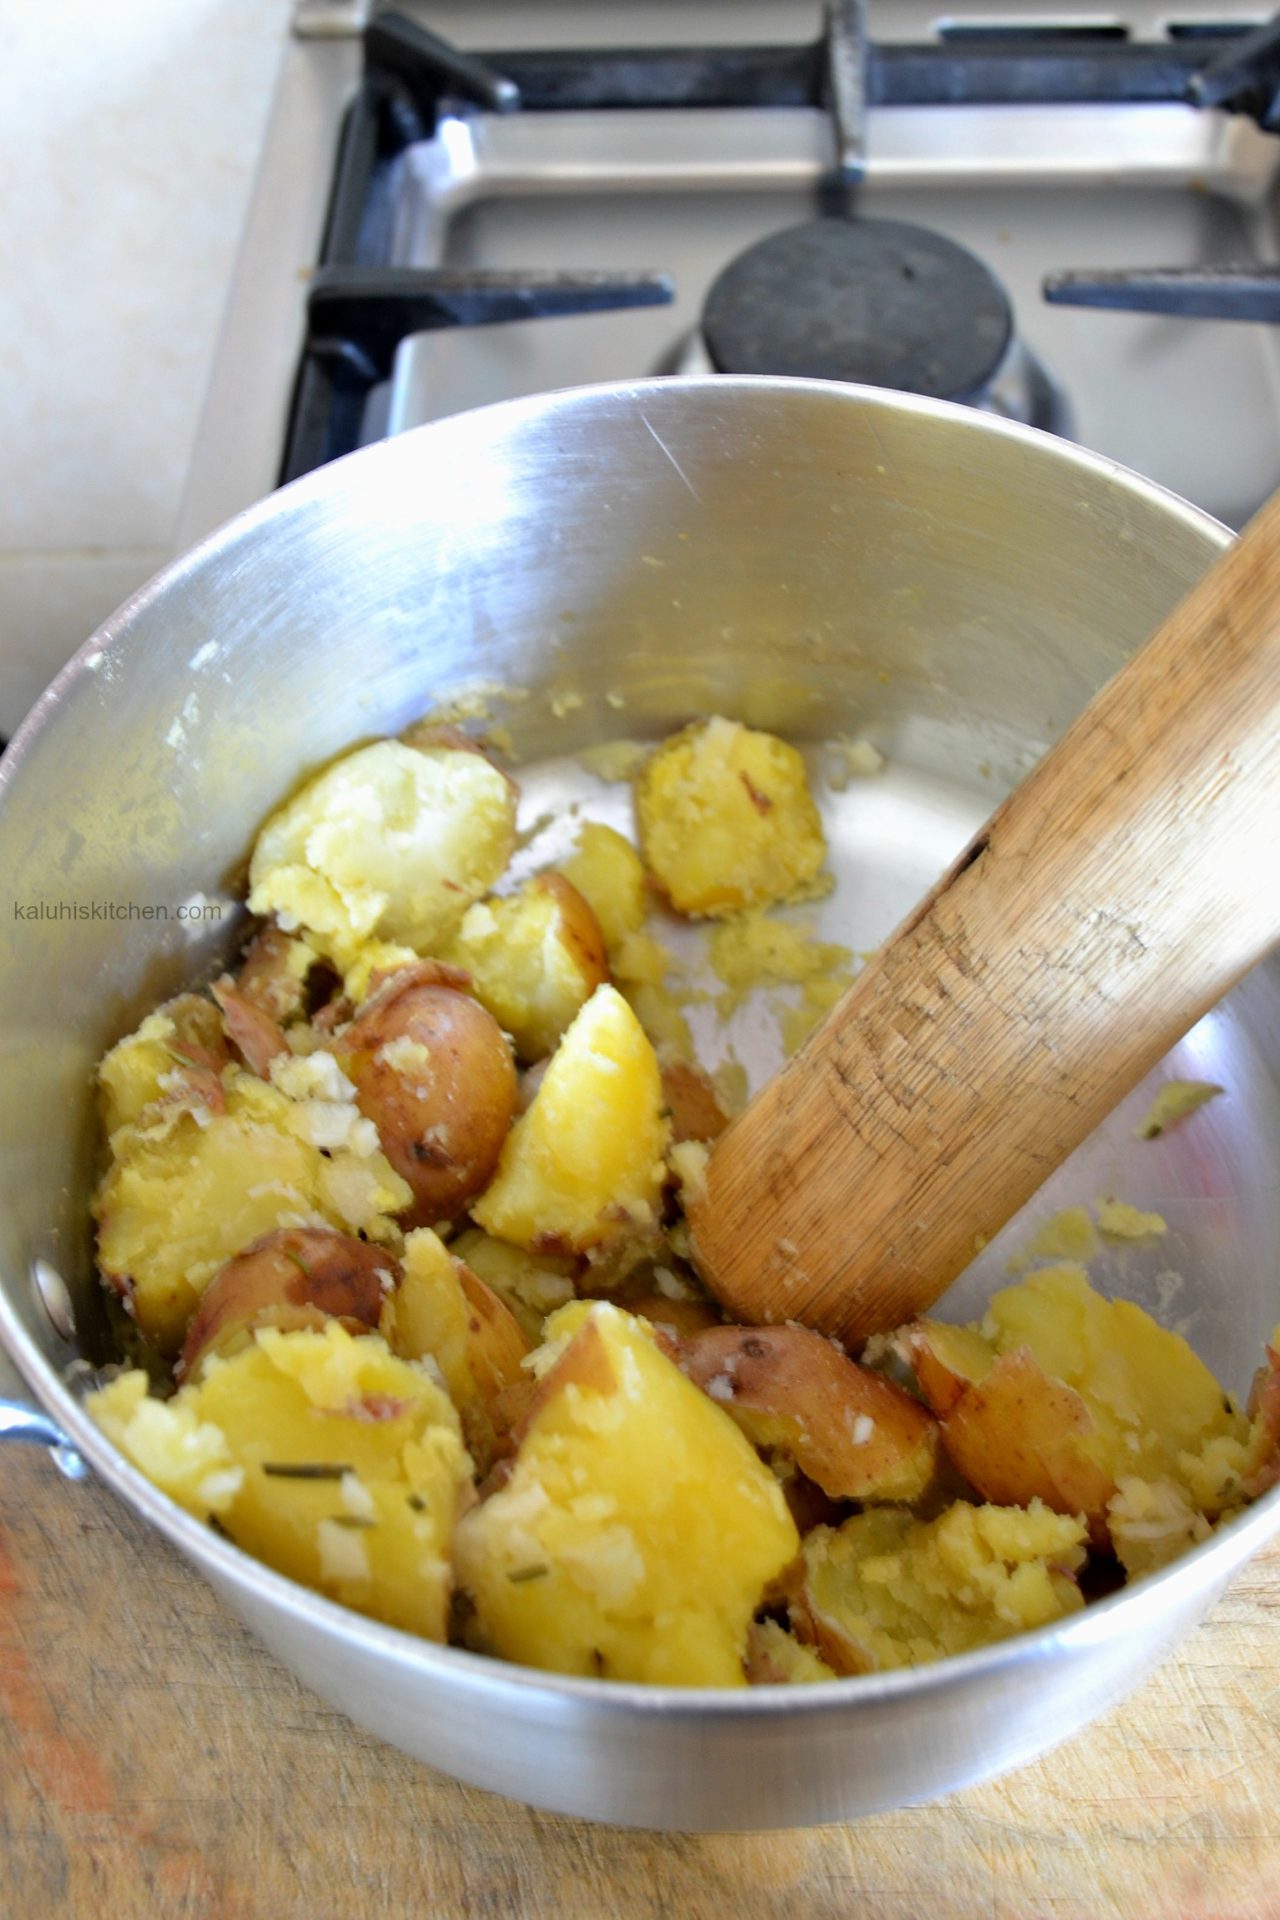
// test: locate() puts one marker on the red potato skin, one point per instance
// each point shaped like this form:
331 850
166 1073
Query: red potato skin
441 1127
497 1344
388 983
792 1389
685 1318
267 980
1263 1470
255 1035
695 1111
297 1277
1017 1434
199 1061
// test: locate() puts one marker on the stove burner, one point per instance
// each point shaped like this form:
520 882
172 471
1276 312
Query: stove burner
875 301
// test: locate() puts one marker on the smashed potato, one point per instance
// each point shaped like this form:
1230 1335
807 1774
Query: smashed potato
727 821
854 1433
569 1565
319 1453
584 1165
434 1074
188 1190
1061 1394
443 1310
609 874
390 843
887 1590
301 1277
174 1060
402 1197
534 960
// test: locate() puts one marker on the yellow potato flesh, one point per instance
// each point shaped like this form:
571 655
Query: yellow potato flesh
530 1285
182 1198
441 1311
584 1165
1093 1407
727 821
535 959
609 874
1140 1382
390 843
139 1071
887 1590
638 1530
371 1523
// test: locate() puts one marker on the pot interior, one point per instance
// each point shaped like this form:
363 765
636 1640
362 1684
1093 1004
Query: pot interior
823 562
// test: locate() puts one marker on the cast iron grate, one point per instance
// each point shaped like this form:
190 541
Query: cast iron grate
360 307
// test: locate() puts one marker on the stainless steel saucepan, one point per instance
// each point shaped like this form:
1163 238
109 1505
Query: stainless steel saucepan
824 560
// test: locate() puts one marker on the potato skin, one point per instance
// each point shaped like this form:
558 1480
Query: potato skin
434 1073
256 1035
1018 1434
443 1310
692 1102
855 1434
297 1277
273 973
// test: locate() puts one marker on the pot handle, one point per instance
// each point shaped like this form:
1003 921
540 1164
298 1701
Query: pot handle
22 1419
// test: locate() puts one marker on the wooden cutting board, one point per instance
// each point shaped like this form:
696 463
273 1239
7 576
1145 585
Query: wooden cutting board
157 1762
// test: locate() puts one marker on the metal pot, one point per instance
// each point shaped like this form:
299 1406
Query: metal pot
821 559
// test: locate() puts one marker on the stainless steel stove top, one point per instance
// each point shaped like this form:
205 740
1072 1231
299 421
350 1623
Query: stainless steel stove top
1031 190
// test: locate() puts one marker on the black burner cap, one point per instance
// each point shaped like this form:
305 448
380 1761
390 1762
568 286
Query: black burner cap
876 301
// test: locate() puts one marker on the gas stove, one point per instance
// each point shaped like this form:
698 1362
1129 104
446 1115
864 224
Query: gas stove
1068 217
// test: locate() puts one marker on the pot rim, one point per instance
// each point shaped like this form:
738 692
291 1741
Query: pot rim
1211 1561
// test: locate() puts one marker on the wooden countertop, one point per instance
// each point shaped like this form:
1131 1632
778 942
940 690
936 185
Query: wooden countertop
158 1762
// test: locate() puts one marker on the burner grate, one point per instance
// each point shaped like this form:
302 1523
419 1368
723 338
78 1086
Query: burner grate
410 75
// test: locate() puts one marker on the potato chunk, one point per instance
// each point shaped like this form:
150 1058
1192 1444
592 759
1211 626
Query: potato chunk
1062 1395
775 1658
534 959
173 1061
185 1194
433 1072
584 1165
727 821
854 1433
637 1531
887 1590
390 843
609 874
531 1285
443 1310
300 1277
321 1454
